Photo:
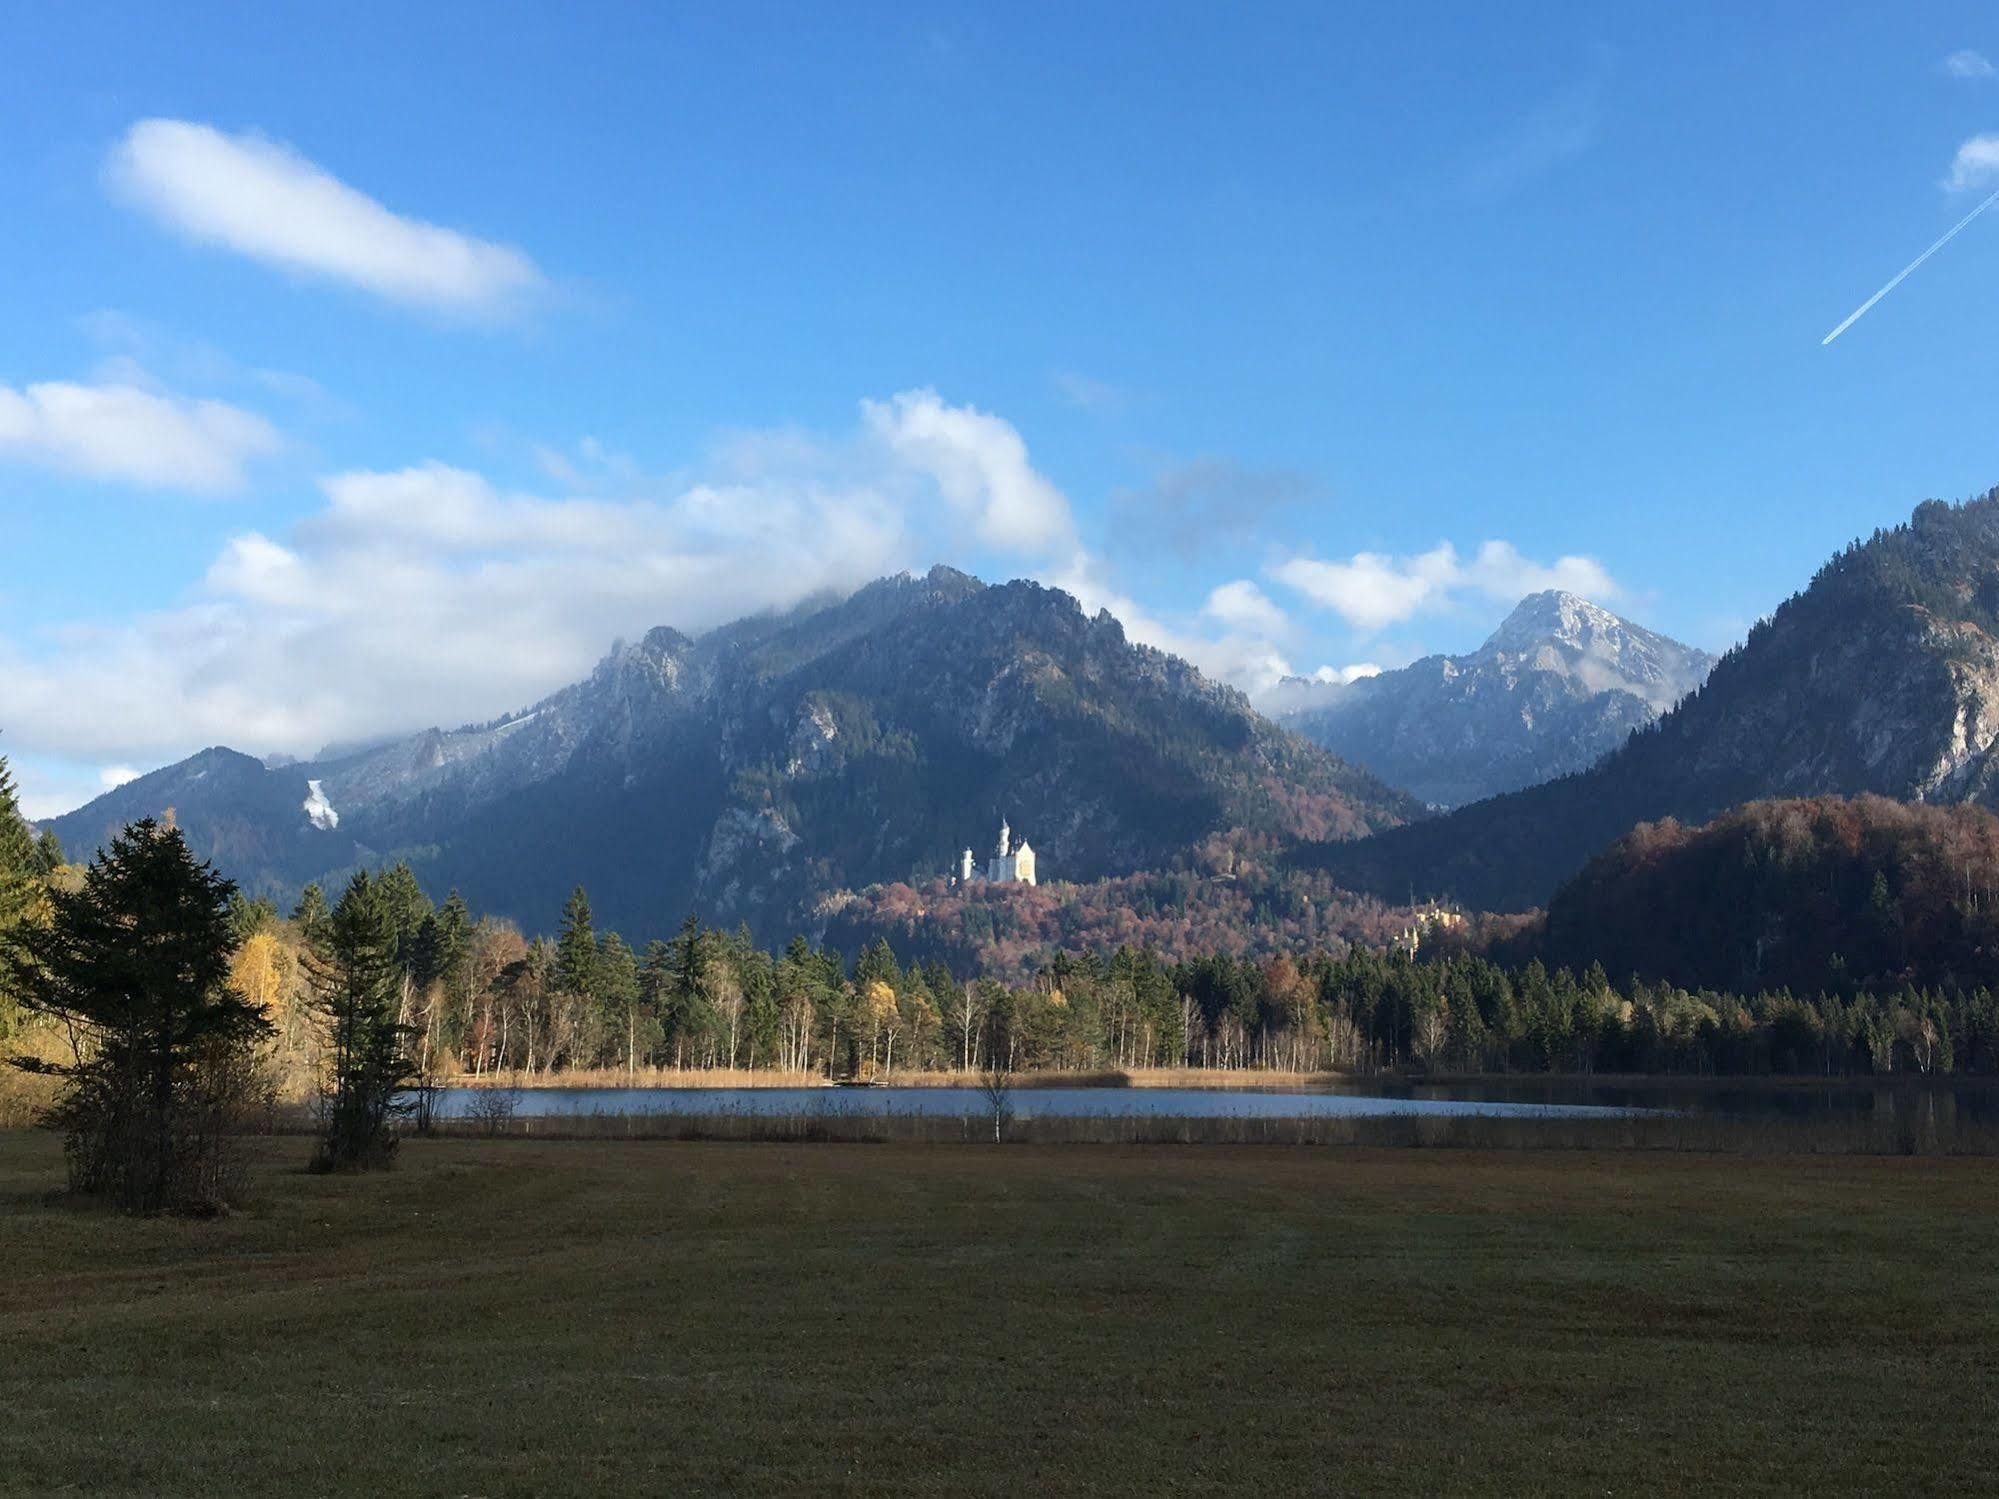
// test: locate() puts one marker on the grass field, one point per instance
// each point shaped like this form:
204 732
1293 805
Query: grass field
637 1317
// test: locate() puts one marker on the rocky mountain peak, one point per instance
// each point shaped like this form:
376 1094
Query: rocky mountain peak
1560 683
1555 614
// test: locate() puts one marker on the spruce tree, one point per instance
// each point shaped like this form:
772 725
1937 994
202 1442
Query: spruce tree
310 915
407 906
358 983
22 875
21 867
576 957
135 966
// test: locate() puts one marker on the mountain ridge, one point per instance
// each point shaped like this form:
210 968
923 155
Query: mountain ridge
747 770
1881 676
1559 683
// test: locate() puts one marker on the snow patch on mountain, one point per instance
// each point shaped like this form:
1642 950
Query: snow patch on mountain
318 810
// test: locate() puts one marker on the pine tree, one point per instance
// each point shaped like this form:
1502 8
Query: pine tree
135 965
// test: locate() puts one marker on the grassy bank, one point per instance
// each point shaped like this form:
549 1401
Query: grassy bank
1908 1133
530 1317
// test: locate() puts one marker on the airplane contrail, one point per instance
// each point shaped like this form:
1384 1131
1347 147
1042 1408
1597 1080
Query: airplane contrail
1903 274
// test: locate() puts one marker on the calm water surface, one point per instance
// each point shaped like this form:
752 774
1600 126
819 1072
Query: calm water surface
1027 1103
1524 1097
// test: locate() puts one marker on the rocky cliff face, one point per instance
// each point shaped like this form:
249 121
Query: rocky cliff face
1558 685
1882 676
748 771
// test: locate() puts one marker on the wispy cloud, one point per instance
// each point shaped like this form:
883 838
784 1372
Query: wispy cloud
125 432
1088 394
1191 503
1966 63
1371 590
1560 128
264 200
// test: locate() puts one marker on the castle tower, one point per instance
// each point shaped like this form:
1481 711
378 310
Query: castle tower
965 868
1006 839
1023 863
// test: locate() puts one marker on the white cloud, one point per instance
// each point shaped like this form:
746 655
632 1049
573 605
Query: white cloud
1244 606
1372 590
980 464
111 777
1346 676
1501 573
1976 160
1966 63
131 434
264 200
1241 655
430 595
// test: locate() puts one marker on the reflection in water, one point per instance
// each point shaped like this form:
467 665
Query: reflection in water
1027 1103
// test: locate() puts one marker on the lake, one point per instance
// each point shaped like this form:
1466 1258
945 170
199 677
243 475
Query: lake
1026 1103
1953 1100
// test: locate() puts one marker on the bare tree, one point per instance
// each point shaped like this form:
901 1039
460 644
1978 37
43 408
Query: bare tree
493 1108
996 1078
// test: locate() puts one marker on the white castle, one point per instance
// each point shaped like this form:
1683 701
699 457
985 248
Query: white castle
1010 865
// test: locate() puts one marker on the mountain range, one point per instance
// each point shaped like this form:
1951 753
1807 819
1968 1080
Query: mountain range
746 772
1880 677
1557 686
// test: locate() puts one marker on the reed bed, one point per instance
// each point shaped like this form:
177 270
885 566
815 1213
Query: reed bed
767 1077
646 1077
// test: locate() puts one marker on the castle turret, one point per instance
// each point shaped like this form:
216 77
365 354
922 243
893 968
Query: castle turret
1006 839
965 868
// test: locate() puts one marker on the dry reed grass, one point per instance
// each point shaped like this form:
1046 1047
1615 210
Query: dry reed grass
645 1077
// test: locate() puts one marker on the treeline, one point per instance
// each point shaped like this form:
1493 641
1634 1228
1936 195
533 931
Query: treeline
480 999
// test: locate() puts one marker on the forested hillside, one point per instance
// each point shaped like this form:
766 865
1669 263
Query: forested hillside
1816 894
1882 676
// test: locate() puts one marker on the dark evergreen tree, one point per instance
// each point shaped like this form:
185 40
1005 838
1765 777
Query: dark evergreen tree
310 915
358 983
619 1000
576 948
135 965
407 906
21 863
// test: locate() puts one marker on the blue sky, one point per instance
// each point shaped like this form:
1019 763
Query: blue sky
373 366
